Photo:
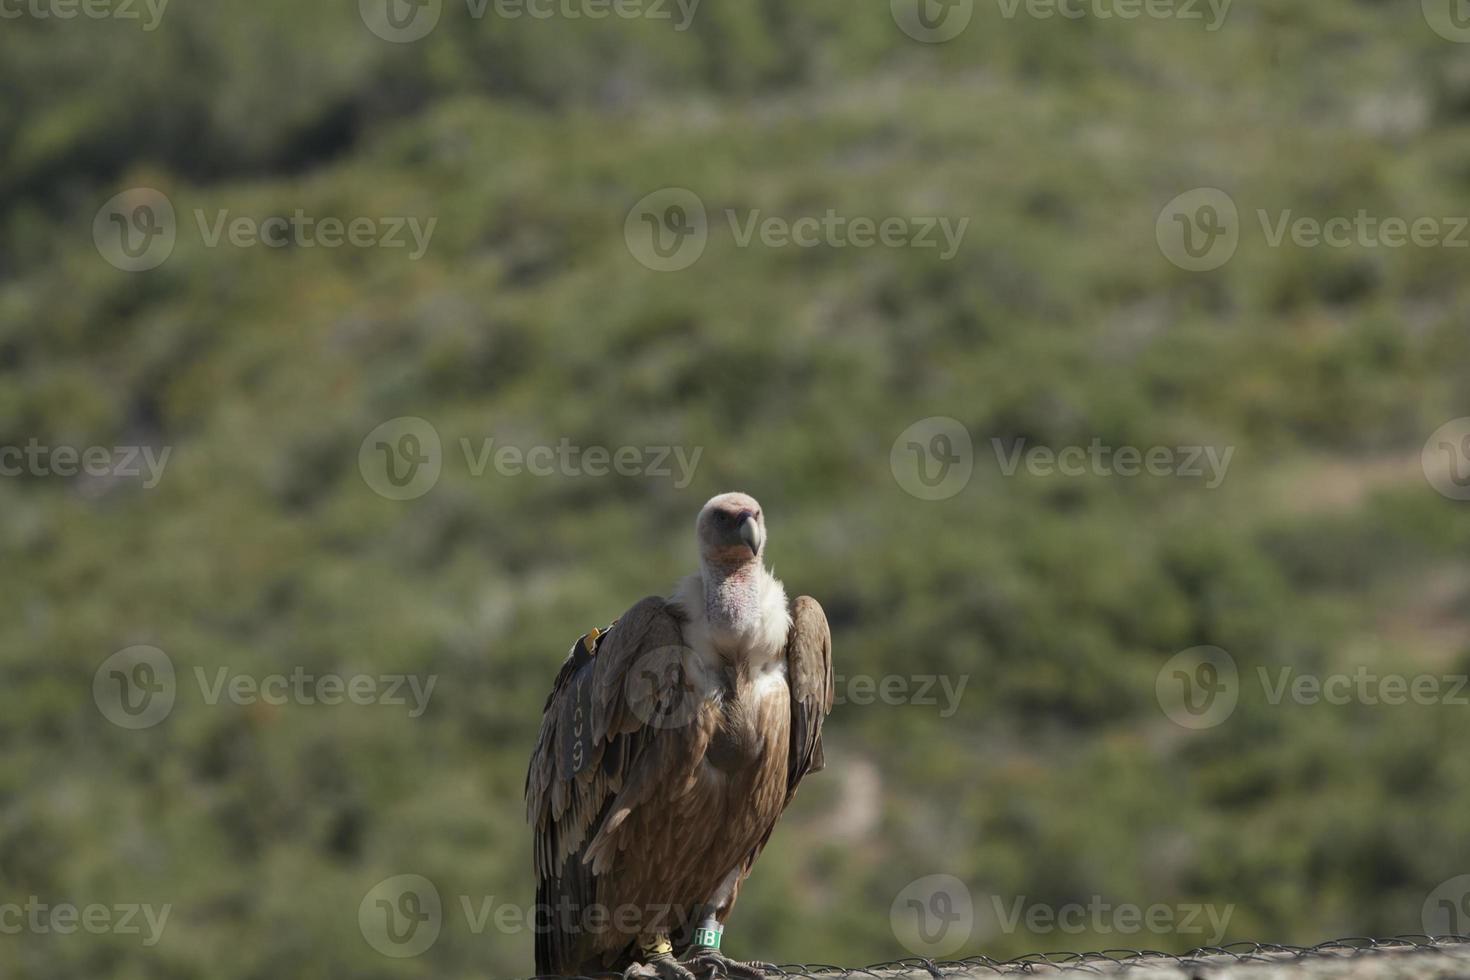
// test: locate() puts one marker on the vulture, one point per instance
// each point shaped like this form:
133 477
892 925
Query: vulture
669 746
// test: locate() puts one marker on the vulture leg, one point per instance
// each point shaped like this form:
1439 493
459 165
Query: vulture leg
662 967
717 964
659 963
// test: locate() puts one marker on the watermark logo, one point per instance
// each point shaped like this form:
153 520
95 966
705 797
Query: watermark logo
404 915
934 916
1199 687
1199 230
401 916
1446 459
659 690
400 21
932 21
135 687
933 459
1446 910
135 230
402 458
667 231
1450 19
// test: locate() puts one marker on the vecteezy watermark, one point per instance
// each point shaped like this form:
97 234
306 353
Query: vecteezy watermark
149 13
933 459
1363 229
406 21
679 12
137 230
1211 12
403 916
1101 917
895 690
300 687
834 230
301 230
137 687
933 916
1450 19
668 230
123 462
1446 459
1200 230
566 459
1446 909
937 21
1363 686
403 458
1208 463
66 918
1199 687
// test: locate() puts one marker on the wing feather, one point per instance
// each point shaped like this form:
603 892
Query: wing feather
593 762
809 673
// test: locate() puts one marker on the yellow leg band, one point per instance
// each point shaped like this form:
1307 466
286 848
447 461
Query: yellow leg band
659 947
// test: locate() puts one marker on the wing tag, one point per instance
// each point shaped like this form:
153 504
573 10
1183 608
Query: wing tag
578 743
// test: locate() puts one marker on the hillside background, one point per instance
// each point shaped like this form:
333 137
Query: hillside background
1058 778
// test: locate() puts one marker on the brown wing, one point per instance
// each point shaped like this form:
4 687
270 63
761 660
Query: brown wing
595 760
809 675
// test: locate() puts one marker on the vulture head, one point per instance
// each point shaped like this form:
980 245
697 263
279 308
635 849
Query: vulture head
731 530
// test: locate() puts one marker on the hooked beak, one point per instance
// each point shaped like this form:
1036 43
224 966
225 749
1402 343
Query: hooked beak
750 533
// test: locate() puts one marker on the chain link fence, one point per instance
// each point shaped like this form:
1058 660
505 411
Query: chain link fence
1356 958
1419 957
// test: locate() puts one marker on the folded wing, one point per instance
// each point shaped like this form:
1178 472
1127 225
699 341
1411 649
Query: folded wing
601 753
809 673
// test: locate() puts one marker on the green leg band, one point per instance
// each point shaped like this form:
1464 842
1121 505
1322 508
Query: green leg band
709 934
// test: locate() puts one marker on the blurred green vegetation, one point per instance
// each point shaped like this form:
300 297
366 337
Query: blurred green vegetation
1058 778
